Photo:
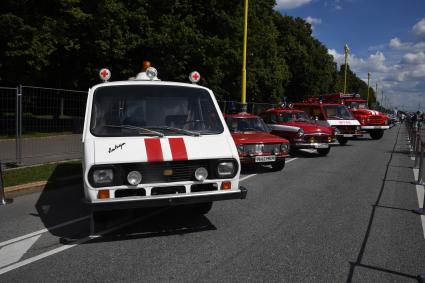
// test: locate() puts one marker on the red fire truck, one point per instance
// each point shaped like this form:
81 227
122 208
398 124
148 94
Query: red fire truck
371 121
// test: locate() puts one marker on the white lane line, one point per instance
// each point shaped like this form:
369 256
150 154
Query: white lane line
252 175
8 242
14 252
76 243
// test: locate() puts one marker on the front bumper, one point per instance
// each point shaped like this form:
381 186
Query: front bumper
349 135
165 200
375 127
315 145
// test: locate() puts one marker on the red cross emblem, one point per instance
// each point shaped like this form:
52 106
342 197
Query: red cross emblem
194 77
105 74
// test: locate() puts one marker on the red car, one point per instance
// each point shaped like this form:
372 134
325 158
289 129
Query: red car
254 142
296 126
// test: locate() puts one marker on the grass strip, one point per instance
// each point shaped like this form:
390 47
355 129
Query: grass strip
47 172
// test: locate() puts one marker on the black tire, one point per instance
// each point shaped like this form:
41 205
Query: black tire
342 140
277 166
376 134
323 151
200 208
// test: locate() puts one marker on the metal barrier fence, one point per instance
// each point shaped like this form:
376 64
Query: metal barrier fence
416 135
39 125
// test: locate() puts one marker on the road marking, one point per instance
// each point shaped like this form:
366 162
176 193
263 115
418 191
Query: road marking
76 243
14 252
17 239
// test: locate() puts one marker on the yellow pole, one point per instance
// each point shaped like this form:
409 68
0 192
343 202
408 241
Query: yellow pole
245 38
368 80
346 49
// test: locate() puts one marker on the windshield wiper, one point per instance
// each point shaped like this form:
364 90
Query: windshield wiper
136 128
177 130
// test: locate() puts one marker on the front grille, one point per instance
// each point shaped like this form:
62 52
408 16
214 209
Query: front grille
168 190
163 172
261 148
316 138
376 120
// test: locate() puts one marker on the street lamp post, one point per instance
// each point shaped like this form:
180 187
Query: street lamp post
346 49
245 39
368 80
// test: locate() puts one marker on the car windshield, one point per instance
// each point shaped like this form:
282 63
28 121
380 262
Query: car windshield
243 124
337 111
153 110
293 117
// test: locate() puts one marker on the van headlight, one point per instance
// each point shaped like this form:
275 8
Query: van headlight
226 169
103 176
336 132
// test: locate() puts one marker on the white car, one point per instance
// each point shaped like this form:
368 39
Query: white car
149 143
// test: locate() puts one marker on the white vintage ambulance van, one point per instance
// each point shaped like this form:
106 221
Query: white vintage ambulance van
151 143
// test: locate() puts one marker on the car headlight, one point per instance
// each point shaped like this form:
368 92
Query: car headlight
336 132
300 132
358 128
240 149
225 169
134 178
103 176
284 147
201 174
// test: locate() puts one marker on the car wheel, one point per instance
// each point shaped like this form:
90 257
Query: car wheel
342 141
323 151
277 166
376 135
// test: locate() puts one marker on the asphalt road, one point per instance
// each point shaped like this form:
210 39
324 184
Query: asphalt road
342 218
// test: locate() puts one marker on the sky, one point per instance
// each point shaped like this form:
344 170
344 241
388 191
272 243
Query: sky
385 38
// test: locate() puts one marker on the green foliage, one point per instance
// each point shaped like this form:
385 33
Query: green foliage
63 43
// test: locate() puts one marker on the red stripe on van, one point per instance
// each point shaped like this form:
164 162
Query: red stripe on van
178 148
153 150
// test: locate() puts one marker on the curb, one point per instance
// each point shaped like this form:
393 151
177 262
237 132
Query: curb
39 185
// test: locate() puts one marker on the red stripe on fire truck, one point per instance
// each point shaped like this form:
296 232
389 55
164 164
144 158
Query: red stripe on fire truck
153 150
178 148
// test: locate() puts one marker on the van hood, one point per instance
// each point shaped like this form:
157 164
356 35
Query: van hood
137 149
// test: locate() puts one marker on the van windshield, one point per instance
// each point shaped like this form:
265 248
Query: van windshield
337 111
153 110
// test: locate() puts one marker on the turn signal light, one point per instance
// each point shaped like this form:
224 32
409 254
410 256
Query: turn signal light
103 194
226 185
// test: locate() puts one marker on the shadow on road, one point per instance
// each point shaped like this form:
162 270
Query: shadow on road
61 202
173 221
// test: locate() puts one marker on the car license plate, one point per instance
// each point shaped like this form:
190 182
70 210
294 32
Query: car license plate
348 136
270 158
324 145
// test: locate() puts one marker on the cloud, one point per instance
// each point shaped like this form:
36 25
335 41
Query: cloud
419 28
313 21
401 75
413 58
290 4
